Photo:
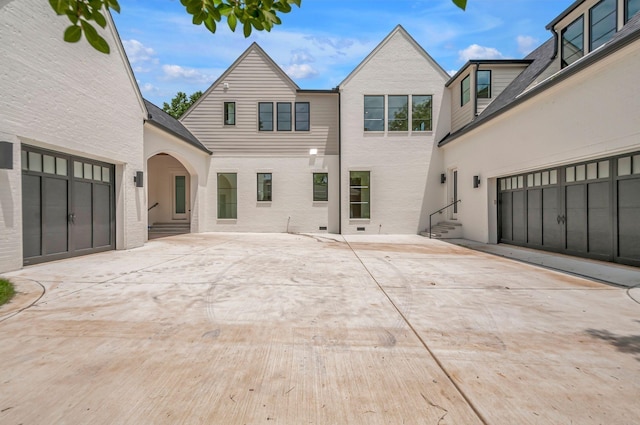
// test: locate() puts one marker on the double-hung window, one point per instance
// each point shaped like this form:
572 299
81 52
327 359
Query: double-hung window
229 113
465 90
264 187
483 84
265 116
320 187
398 113
227 195
631 8
421 113
302 116
359 194
602 23
284 116
573 42
374 113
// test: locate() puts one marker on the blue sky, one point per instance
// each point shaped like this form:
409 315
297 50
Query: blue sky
319 44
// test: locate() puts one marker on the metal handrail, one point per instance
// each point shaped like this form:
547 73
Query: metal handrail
153 206
439 211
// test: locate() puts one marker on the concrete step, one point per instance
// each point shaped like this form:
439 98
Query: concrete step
170 228
444 230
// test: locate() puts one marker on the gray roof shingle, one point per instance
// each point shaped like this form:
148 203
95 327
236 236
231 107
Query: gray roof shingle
161 119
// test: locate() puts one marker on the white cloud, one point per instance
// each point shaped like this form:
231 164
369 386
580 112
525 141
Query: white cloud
190 75
139 55
479 52
148 88
301 56
300 71
452 72
526 44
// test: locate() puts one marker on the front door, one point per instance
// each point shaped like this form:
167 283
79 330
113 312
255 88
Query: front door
453 194
180 209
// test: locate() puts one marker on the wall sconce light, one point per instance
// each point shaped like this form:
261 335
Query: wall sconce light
313 151
138 179
225 86
443 178
6 156
476 182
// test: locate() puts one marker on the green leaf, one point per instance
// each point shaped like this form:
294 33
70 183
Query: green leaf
462 4
232 21
59 6
99 18
210 23
72 34
94 39
247 29
113 4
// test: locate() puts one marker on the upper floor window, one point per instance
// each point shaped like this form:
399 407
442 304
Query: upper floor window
603 23
265 116
465 90
284 116
374 113
483 84
229 113
421 113
302 116
398 113
631 8
573 42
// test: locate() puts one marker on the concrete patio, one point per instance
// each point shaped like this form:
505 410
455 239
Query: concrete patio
315 329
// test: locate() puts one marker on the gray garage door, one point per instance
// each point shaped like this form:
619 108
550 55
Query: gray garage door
589 209
68 205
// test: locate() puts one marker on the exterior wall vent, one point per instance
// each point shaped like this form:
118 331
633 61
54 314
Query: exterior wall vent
322 228
360 229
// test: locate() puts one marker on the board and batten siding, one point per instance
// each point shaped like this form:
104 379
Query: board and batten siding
252 80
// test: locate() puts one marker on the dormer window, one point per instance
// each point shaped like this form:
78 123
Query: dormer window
631 8
483 84
602 23
573 42
465 90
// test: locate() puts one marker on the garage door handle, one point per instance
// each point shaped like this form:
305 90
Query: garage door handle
72 218
561 219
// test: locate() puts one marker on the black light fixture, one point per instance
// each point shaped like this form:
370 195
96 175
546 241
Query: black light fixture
138 179
476 182
443 178
6 156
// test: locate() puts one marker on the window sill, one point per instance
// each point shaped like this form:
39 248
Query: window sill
263 203
226 220
359 220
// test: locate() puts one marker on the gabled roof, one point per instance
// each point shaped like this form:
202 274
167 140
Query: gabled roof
396 30
254 47
567 11
517 93
487 62
166 122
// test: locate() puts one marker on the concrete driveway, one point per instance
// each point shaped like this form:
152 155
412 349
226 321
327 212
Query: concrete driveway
300 329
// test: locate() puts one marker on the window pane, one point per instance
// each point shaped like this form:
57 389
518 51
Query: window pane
284 117
374 113
35 162
465 90
227 195
573 42
633 7
48 164
265 116
483 84
503 184
230 113
61 166
636 164
88 171
592 171
530 180
602 18
398 113
580 173
320 186
537 177
421 111
181 190
553 177
508 184
603 169
77 169
520 182
545 178
624 166
106 174
25 161
570 174
302 116
264 187
359 194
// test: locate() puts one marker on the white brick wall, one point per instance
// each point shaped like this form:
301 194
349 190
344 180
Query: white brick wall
68 98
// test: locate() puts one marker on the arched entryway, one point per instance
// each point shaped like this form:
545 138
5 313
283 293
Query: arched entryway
169 196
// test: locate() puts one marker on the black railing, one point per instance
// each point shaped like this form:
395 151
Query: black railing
153 206
440 211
